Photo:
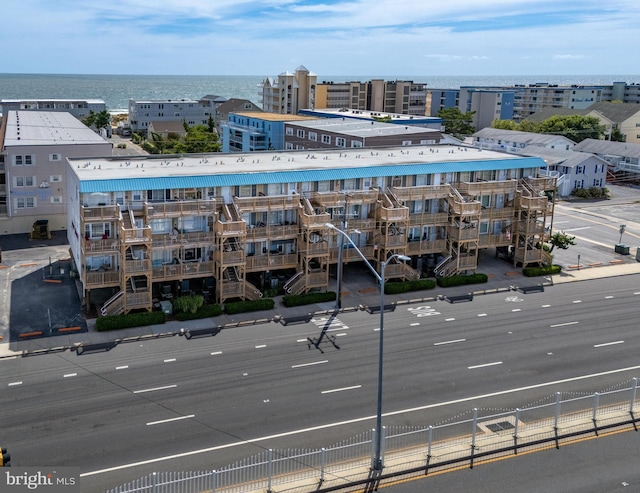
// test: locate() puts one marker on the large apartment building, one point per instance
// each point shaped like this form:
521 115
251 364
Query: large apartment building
289 92
34 146
80 108
234 225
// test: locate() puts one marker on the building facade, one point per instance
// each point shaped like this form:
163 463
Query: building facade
289 92
250 131
80 108
236 226
192 112
33 152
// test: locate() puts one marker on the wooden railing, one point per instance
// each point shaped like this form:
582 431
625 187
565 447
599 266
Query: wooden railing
178 271
100 213
542 182
230 228
465 208
529 227
198 207
392 240
272 231
131 266
423 247
338 199
533 203
422 192
491 240
136 235
393 214
97 246
320 248
101 278
268 262
315 220
265 203
138 299
487 187
230 289
351 255
426 219
456 233
498 213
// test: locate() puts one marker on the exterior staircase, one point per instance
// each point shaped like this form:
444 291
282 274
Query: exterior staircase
114 305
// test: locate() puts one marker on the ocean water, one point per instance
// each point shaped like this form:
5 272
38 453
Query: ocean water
116 90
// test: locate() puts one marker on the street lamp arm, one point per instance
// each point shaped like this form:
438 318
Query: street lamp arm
348 238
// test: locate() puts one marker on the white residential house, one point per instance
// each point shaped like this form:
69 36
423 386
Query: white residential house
34 148
192 112
623 158
515 141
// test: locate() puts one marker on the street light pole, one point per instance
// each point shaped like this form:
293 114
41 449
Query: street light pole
340 252
377 463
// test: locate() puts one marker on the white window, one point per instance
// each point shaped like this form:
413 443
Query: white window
300 133
25 202
55 178
54 157
484 228
289 146
28 160
356 143
289 131
313 136
23 181
326 139
56 199
17 160
406 142
341 142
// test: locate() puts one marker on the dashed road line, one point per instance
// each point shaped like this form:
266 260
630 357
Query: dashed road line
310 364
484 365
151 423
454 341
154 389
341 389
608 344
562 325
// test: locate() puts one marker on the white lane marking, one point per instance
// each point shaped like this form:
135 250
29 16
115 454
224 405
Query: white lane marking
376 329
486 364
170 360
414 324
482 314
151 423
216 353
12 384
302 340
608 297
454 341
517 310
608 343
154 389
70 375
578 229
577 301
356 420
340 335
124 367
261 346
637 292
560 222
545 306
562 325
449 319
310 364
340 390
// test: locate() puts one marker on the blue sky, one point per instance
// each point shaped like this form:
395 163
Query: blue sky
332 37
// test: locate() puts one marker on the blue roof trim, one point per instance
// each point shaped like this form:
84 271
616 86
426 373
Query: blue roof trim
304 175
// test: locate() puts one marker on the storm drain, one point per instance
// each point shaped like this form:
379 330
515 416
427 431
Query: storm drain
499 426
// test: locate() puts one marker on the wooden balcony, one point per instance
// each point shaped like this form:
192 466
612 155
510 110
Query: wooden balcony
338 199
467 262
533 203
422 192
272 232
314 221
178 208
187 270
267 203
100 246
395 214
137 266
103 213
101 278
231 289
529 227
195 238
351 255
494 240
139 299
314 249
230 228
476 188
426 219
528 256
462 234
262 263
392 240
458 208
362 225
424 247
317 279
136 235
497 213
542 182
233 257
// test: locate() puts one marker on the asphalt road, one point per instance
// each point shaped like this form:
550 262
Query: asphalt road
144 402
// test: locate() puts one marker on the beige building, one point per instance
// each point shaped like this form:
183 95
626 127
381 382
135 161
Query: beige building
33 153
289 92
237 226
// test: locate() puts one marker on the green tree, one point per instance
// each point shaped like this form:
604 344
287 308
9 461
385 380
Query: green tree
457 123
574 127
561 240
505 125
211 126
528 126
197 140
98 120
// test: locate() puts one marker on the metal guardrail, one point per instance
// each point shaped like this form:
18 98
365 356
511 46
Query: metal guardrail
476 435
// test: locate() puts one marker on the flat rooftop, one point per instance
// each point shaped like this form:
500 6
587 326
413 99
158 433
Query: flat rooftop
272 117
220 164
370 115
361 128
47 128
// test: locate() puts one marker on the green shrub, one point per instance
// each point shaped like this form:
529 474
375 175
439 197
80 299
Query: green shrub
205 311
541 271
404 287
290 300
446 282
249 306
188 304
116 322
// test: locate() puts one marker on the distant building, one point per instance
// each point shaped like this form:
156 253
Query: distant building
288 93
255 131
164 129
233 105
369 116
35 146
515 141
623 158
80 108
192 112
350 134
